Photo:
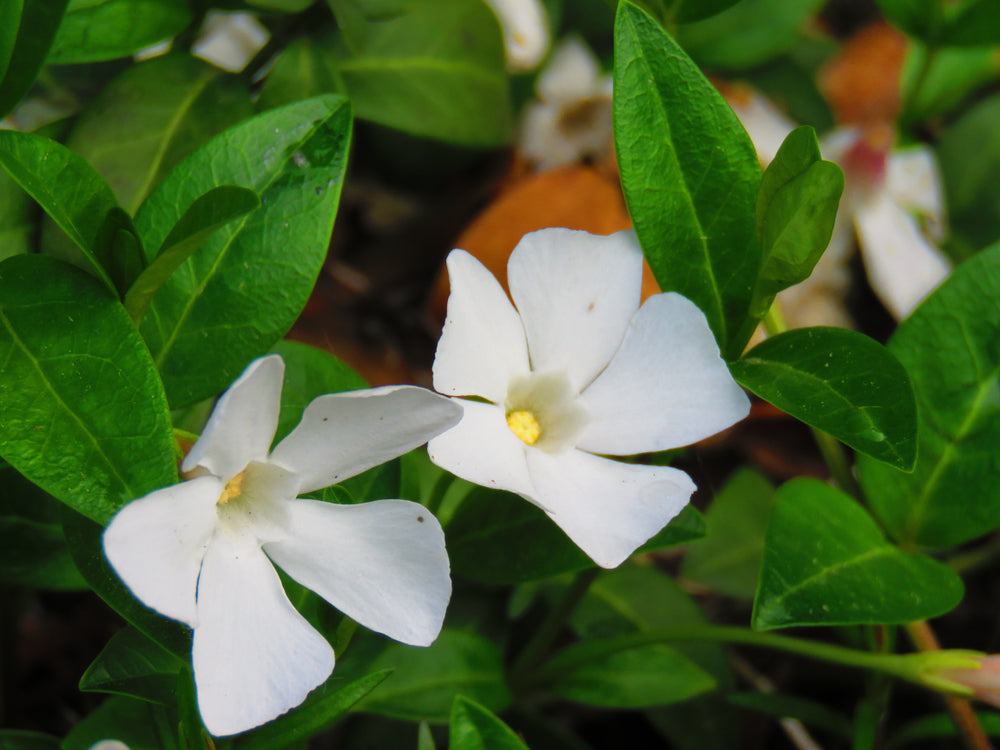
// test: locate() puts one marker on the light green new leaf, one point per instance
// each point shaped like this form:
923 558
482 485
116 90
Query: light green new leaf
116 28
321 709
690 176
152 116
950 346
796 210
27 28
841 382
83 411
79 201
132 664
498 537
621 672
475 727
826 562
246 285
209 212
727 559
431 68
425 681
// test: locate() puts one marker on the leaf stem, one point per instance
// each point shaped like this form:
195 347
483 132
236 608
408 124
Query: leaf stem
961 712
543 638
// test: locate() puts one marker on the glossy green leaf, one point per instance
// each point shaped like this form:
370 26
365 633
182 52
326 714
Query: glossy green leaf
152 116
27 28
796 210
17 224
919 18
242 290
689 173
951 348
434 68
497 537
972 23
475 727
78 200
83 537
727 559
620 673
425 681
841 382
132 664
321 709
751 33
826 562
18 739
116 28
34 554
139 724
83 411
208 213
969 155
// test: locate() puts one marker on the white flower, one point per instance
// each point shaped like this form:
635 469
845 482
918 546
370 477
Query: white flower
230 40
109 745
525 32
577 372
203 551
572 119
887 193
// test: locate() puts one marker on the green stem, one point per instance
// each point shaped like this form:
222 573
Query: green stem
872 708
829 447
539 644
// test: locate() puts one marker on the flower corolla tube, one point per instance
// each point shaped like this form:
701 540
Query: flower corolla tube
203 551
578 372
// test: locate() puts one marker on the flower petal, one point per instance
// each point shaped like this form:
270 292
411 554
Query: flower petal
902 265
571 73
343 434
666 387
482 346
525 31
482 449
608 508
383 564
243 422
766 125
576 293
156 545
914 182
255 657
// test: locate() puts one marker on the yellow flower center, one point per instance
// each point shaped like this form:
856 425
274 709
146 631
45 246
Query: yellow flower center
524 424
232 490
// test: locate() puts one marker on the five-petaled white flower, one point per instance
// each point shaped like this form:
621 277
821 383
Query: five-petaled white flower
525 32
579 371
572 118
203 551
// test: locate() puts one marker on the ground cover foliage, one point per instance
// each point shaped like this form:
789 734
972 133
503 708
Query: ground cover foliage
168 217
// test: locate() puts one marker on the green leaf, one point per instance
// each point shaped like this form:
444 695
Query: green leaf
132 664
498 537
750 33
78 200
83 537
248 283
952 77
425 681
433 68
936 726
826 562
152 116
208 213
690 176
116 28
696 10
919 18
34 554
950 348
620 672
17 224
305 68
810 713
27 28
17 739
321 709
140 725
972 23
425 740
727 559
841 382
475 727
83 411
796 210
282 6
